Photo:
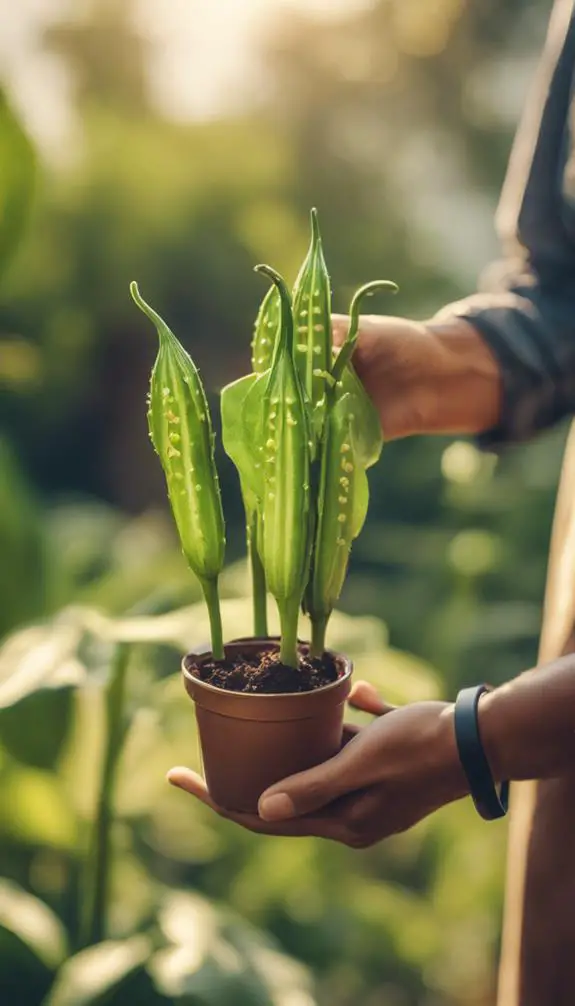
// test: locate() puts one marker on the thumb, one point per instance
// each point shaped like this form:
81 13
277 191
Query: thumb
305 792
364 696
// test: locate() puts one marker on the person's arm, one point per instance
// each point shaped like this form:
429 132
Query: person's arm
501 362
528 725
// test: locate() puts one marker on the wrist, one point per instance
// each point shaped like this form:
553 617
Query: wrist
455 779
469 384
493 735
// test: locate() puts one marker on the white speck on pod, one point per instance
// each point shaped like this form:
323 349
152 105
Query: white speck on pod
341 518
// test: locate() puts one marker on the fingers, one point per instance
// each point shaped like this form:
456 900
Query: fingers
365 697
318 825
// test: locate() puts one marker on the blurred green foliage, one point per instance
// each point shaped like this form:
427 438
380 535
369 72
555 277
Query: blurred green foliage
359 116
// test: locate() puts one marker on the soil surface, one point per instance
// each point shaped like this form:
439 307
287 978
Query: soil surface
265 674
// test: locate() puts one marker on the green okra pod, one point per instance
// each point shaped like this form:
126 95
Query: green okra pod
181 433
351 443
313 330
266 331
277 430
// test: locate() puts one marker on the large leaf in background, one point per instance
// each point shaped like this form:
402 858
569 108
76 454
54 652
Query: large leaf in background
32 945
214 959
39 668
108 974
206 958
17 169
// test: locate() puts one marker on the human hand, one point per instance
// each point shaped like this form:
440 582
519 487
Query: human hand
432 377
387 777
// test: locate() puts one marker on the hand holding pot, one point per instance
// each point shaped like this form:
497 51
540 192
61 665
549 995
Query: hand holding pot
387 777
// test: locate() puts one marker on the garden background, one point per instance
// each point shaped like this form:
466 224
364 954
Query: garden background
179 144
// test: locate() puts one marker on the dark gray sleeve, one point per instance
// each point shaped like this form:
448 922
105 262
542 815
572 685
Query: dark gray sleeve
528 318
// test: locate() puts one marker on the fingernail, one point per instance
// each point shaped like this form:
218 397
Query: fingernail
173 777
276 807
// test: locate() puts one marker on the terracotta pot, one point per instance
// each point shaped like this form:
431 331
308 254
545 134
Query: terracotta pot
250 741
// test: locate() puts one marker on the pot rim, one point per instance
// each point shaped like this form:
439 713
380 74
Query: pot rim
341 659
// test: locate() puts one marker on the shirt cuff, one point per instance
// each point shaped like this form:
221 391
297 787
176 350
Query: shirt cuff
511 324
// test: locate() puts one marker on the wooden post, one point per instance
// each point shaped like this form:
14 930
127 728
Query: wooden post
537 965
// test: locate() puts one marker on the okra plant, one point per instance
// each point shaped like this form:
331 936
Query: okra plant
301 431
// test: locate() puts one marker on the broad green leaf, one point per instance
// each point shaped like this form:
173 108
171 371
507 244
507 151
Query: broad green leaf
236 444
368 436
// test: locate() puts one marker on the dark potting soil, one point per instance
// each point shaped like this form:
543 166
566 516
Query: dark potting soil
264 673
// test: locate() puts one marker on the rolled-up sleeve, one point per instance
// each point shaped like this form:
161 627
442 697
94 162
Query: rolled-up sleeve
527 312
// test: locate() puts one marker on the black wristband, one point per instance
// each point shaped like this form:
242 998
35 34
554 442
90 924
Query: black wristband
488 802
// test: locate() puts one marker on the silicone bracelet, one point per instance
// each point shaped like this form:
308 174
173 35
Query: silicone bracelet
488 802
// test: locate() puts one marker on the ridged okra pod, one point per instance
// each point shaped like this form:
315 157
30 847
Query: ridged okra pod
276 426
312 320
351 443
181 433
266 331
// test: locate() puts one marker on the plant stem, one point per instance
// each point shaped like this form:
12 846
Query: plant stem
318 631
94 913
211 594
258 580
289 614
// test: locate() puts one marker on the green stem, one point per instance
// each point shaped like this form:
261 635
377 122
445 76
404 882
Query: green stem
318 631
95 906
289 615
258 581
211 594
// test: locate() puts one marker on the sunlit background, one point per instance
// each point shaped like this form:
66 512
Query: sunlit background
179 143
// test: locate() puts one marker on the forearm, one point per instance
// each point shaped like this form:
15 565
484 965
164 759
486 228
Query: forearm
469 386
528 725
